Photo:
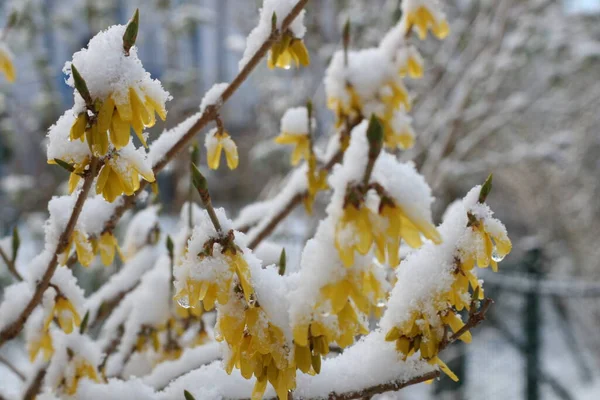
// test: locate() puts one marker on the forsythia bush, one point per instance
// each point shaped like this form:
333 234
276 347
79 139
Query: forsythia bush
274 331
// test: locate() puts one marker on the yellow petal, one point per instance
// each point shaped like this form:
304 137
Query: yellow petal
119 132
78 128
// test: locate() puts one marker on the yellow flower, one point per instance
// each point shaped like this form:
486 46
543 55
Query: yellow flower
67 315
6 64
83 248
424 19
44 344
492 247
317 181
396 95
353 232
217 141
209 292
397 131
286 51
413 67
301 142
79 169
83 369
400 226
114 116
119 177
419 334
258 348
108 245
463 278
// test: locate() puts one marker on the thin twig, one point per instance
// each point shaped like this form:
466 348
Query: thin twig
14 369
34 387
10 264
16 326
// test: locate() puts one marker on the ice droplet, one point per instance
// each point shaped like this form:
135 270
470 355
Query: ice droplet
380 303
184 302
325 314
496 256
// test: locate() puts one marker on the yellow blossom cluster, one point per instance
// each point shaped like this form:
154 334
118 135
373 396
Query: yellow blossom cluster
258 348
350 300
359 229
423 333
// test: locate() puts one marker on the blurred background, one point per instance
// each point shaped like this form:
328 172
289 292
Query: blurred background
514 90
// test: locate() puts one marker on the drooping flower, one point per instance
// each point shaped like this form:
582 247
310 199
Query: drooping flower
83 248
6 63
425 15
353 232
492 242
215 142
107 246
83 369
119 176
301 144
43 344
317 181
287 50
257 347
399 226
66 314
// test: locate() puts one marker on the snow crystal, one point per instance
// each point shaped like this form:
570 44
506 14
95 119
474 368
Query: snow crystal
214 96
295 121
190 360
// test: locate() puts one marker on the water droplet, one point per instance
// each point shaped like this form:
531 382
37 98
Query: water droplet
184 302
325 314
252 301
496 256
381 303
287 67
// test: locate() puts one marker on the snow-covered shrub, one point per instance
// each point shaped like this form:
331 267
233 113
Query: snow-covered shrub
153 323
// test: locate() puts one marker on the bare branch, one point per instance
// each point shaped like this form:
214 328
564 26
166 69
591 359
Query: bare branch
15 328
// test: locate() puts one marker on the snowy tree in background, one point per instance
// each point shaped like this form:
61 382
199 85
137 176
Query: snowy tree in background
380 290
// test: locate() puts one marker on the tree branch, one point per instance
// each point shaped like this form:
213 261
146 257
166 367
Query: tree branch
384 387
15 328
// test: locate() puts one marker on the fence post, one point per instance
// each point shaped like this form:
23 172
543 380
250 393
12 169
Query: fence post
532 324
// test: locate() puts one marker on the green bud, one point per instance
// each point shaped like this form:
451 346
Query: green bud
194 153
188 395
81 86
131 32
198 179
375 136
16 242
84 323
485 189
170 247
64 165
282 262
274 22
